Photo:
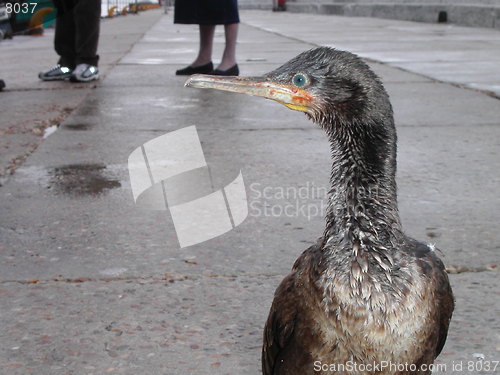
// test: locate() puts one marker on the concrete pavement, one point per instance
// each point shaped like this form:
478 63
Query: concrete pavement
92 284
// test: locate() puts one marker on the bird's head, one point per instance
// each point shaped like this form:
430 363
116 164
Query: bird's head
332 87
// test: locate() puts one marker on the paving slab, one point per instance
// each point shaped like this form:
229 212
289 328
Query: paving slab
477 74
456 177
409 99
25 119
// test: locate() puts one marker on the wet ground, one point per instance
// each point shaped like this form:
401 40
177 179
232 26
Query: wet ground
90 283
81 179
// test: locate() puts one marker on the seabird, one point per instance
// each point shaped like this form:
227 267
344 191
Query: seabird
366 298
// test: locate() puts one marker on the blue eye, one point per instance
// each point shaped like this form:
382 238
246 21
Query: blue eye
299 80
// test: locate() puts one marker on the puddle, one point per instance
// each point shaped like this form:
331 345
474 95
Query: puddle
78 126
82 179
90 108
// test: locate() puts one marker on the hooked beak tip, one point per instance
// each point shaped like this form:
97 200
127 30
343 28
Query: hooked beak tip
191 81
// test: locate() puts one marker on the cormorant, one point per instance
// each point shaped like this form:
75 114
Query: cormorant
366 298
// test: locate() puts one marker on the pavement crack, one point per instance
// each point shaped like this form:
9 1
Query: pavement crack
166 278
280 34
78 280
173 278
37 129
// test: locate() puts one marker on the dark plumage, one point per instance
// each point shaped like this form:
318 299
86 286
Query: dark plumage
365 294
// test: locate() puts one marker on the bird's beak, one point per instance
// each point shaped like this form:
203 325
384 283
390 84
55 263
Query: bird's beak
293 97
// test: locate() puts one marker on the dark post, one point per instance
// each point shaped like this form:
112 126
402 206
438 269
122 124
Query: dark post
442 17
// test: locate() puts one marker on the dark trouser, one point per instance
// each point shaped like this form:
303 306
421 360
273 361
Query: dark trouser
77 31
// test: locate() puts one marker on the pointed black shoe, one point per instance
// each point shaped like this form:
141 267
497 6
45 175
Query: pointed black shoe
232 71
202 69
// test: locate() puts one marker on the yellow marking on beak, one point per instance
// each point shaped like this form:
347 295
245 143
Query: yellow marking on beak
296 107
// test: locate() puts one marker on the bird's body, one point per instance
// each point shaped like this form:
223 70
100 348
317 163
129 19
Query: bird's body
365 299
324 321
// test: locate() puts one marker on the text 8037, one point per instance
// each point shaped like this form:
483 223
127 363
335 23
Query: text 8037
18 8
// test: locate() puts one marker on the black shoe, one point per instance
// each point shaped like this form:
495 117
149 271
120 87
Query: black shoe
232 71
202 69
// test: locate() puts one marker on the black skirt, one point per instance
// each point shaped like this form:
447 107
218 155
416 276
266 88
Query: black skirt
206 12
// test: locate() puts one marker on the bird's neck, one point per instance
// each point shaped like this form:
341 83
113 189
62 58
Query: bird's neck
362 210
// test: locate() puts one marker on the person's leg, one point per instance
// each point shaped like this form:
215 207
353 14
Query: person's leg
229 55
64 43
87 15
206 45
203 62
64 39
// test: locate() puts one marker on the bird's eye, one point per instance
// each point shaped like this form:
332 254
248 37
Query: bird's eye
299 80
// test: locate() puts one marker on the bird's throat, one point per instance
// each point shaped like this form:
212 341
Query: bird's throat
362 207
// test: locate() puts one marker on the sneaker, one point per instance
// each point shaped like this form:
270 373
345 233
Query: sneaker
57 73
84 73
